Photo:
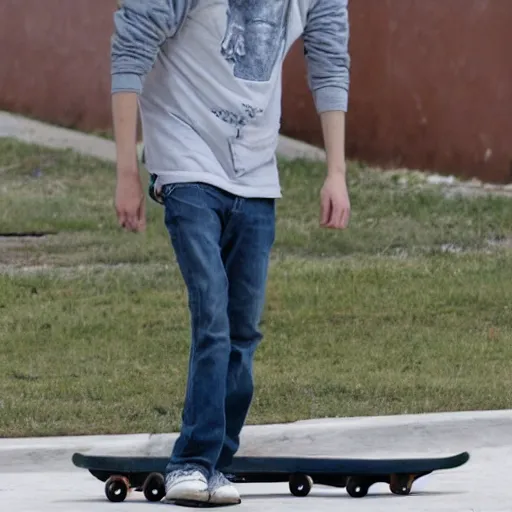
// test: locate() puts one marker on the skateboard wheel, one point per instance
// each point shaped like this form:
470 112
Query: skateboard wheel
401 484
154 487
300 485
356 489
116 488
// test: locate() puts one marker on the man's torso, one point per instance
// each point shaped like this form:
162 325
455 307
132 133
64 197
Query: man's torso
211 106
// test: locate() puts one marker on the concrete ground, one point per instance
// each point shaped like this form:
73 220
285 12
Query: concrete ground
37 474
482 485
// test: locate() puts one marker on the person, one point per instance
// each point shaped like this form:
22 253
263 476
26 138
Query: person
205 76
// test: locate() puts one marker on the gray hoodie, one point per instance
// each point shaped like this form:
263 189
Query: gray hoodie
208 74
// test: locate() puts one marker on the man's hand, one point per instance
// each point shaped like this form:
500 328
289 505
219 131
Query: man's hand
335 202
130 202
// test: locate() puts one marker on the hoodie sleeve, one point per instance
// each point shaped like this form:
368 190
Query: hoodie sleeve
326 38
140 28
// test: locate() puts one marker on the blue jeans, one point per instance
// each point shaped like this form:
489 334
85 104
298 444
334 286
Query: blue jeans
222 244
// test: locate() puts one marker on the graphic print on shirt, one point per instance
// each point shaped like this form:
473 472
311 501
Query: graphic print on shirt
237 120
255 35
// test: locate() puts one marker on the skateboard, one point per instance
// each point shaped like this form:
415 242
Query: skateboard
146 474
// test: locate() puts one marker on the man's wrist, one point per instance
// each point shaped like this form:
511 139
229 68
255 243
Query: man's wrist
337 169
127 168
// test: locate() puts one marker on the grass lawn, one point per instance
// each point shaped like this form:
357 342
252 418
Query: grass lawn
380 319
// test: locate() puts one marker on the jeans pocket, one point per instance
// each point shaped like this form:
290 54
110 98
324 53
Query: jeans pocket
168 189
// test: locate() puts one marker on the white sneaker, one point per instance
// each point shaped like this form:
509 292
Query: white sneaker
187 485
222 491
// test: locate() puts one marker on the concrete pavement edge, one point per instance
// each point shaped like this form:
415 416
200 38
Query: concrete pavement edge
435 434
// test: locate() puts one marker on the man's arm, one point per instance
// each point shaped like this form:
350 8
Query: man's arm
326 38
140 28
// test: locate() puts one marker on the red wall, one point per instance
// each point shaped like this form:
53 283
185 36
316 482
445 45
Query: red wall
431 80
431 86
54 60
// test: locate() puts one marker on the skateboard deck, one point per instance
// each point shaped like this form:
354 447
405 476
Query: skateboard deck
146 474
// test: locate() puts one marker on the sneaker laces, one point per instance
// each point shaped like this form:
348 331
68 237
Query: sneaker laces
219 480
183 472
